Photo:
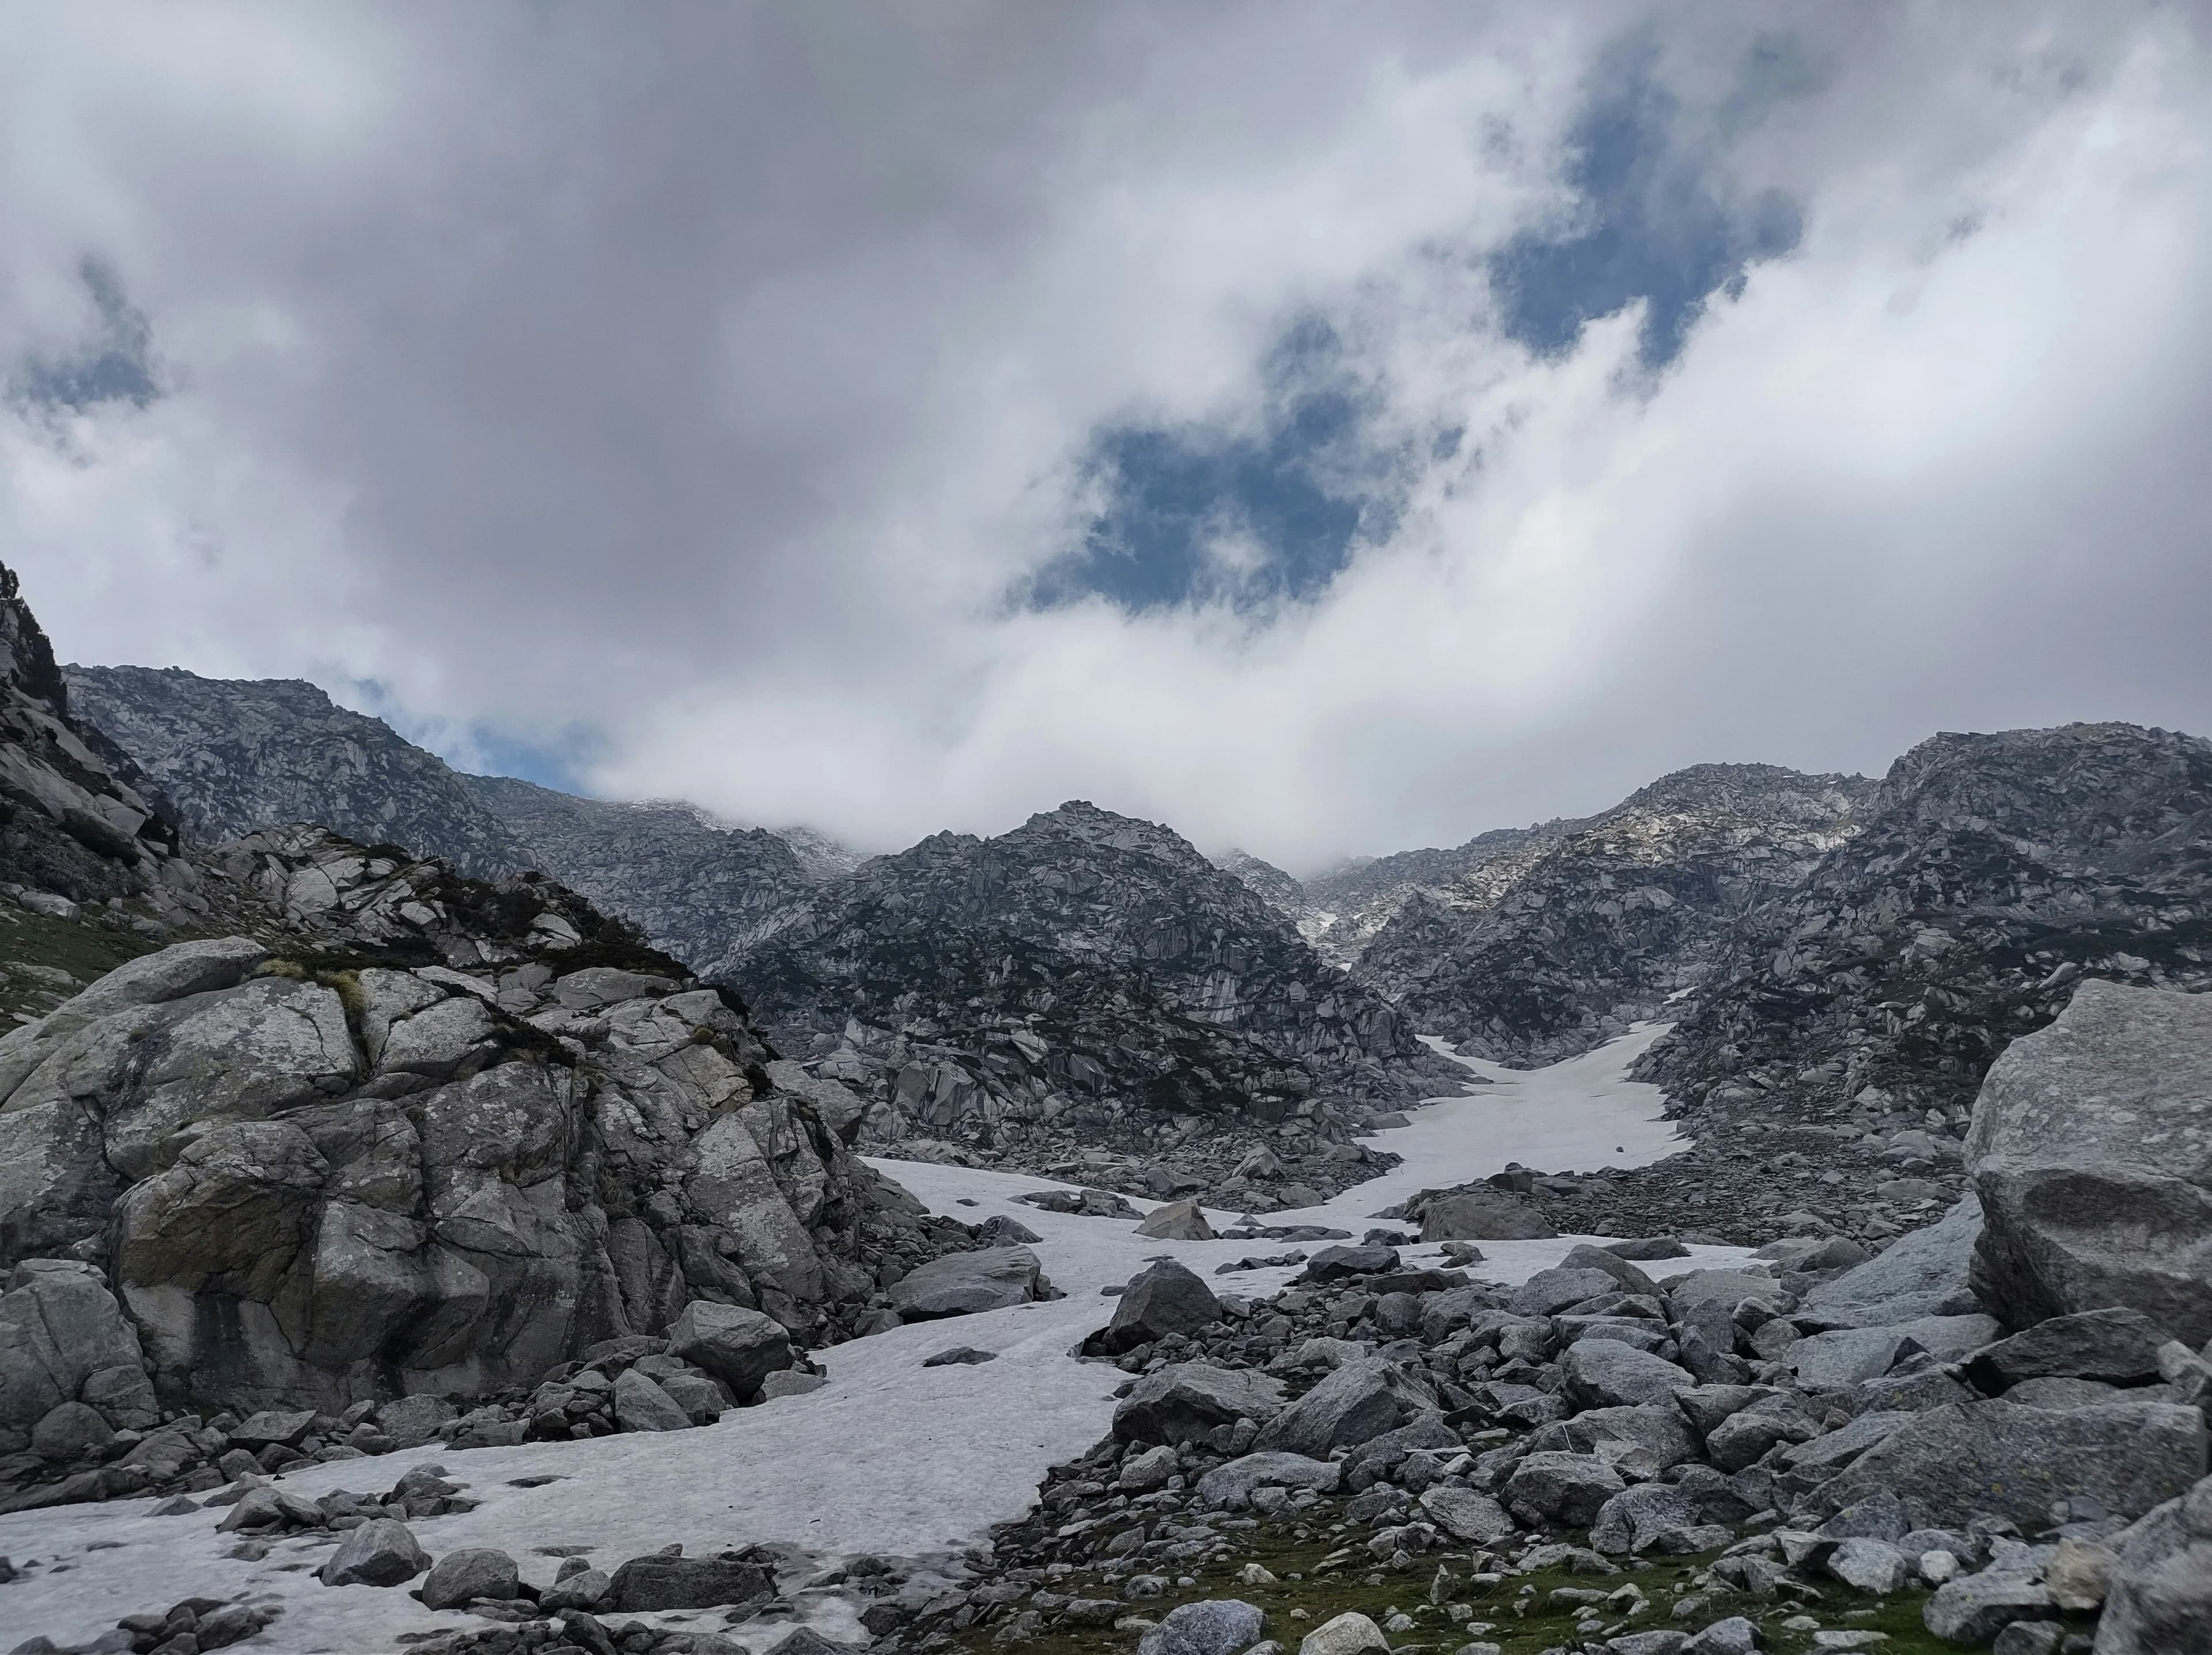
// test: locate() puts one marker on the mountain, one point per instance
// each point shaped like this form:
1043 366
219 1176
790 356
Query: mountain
1985 877
236 756
1551 945
1086 976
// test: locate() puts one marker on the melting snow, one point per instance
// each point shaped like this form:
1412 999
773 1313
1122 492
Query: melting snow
890 1458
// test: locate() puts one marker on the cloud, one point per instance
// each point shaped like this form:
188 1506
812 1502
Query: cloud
892 420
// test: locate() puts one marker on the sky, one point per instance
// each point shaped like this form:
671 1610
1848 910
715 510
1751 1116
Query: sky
1327 430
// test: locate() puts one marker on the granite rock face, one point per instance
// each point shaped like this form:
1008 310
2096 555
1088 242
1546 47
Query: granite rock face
422 1133
2091 1148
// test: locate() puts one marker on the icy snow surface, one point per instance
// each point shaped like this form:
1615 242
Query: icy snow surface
890 1458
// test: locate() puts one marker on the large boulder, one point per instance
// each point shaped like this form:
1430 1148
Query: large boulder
740 1347
1188 1401
2091 1149
2119 1346
1923 1273
963 1284
1176 1221
1568 1489
1165 1299
1846 1357
1214 1626
1607 1373
1549 1292
2159 1599
59 1328
1359 1402
647 1584
1999 1458
1482 1215
382 1552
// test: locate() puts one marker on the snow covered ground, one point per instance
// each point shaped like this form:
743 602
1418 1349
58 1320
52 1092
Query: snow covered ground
890 1458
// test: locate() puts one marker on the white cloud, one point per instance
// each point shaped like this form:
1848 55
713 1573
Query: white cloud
705 379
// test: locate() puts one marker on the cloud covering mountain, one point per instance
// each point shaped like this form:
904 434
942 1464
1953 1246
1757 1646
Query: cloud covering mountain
1328 430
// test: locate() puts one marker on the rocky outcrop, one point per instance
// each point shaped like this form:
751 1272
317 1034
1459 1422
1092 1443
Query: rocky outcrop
1551 945
423 1134
78 822
1087 976
1988 876
2091 1149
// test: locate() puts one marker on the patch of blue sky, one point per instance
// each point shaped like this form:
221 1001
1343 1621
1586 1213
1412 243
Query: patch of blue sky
115 364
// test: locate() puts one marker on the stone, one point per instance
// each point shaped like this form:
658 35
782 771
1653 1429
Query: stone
1605 1373
1165 1299
1549 1291
1997 1458
738 1346
70 1431
1214 1626
1645 1248
1872 1566
287 1426
1744 1438
58 1326
791 1383
1185 1401
1880 1516
1833 1450
1482 1215
382 1552
2029 1637
2079 1573
1568 1489
1660 1640
1141 1473
1633 1521
646 1584
699 1397
2091 1149
1847 1357
124 1397
1176 1221
587 1589
1733 1636
1467 1515
1339 1263
410 1421
1923 1272
2117 1345
1724 1287
1972 1608
963 1284
459 1578
1359 1402
960 1356
642 1405
1232 1485
1349 1634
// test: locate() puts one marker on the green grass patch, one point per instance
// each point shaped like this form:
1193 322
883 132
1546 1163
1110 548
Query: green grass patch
34 946
1520 1620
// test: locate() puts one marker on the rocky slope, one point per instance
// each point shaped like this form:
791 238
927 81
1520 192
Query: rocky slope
1087 977
1555 944
233 757
1985 877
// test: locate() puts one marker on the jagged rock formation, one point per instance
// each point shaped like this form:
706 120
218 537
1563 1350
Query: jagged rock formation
234 757
77 819
1557 943
1987 876
703 892
420 1133
1086 973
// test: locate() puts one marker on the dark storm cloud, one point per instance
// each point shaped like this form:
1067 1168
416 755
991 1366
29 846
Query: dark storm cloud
672 397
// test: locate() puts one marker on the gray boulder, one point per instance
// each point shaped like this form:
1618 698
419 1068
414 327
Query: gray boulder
2091 1149
1733 1636
1872 1566
1974 1608
1176 1221
1724 1287
2158 1597
646 1584
1998 1458
382 1552
1568 1489
1923 1273
1188 1401
1219 1626
738 1346
1163 1300
642 1405
1635 1519
963 1284
1847 1357
460 1577
1482 1215
1549 1291
1359 1402
59 1326
410 1421
2117 1345
1607 1373
1232 1485
1467 1515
